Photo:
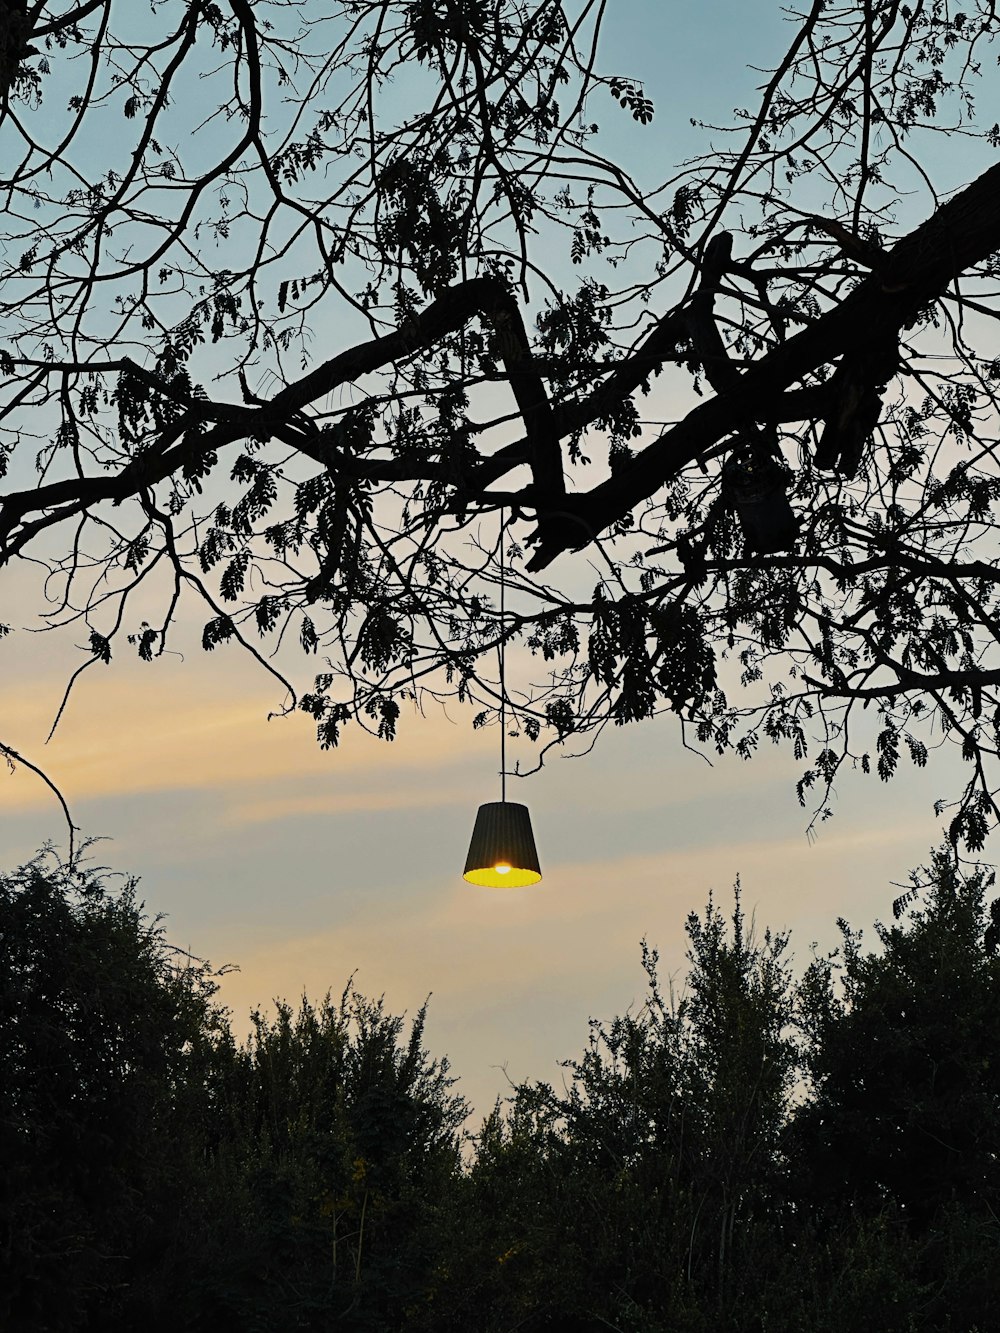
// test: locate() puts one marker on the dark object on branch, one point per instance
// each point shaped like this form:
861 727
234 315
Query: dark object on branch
857 387
700 316
757 489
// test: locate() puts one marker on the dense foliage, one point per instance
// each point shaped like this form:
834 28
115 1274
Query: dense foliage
156 1174
299 298
754 1153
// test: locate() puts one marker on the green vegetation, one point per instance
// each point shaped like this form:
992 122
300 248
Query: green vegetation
758 1152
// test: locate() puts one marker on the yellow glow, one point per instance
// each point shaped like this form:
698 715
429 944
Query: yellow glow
502 877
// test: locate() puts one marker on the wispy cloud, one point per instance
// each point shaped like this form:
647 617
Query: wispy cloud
515 974
584 914
188 728
262 809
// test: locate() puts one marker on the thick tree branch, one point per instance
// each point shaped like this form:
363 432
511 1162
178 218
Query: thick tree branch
963 232
180 445
908 681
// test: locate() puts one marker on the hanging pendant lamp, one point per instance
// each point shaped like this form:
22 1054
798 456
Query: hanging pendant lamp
502 853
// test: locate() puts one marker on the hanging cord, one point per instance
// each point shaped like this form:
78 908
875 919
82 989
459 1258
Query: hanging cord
503 684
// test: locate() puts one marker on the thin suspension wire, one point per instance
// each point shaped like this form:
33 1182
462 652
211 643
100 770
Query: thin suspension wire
503 684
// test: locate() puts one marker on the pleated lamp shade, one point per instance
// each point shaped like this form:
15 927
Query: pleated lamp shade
502 852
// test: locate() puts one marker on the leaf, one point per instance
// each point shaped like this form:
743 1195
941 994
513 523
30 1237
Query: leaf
559 714
381 639
887 746
918 751
328 731
100 646
138 550
267 613
387 711
234 575
145 642
308 636
217 631
686 659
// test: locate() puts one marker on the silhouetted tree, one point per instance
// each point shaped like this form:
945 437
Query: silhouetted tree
748 1153
904 1116
638 1197
708 1168
158 1175
338 1144
107 1046
298 297
901 1040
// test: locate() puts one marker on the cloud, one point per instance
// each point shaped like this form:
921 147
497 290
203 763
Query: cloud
175 726
588 915
266 809
514 975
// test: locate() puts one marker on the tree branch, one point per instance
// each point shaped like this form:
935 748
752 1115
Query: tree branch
960 234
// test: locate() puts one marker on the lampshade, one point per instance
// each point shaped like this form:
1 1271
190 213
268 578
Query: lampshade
502 852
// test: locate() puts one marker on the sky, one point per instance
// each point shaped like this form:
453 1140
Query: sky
304 867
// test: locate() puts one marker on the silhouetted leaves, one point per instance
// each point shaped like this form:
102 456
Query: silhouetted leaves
296 352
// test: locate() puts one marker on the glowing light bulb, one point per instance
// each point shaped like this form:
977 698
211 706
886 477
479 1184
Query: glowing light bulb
502 868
